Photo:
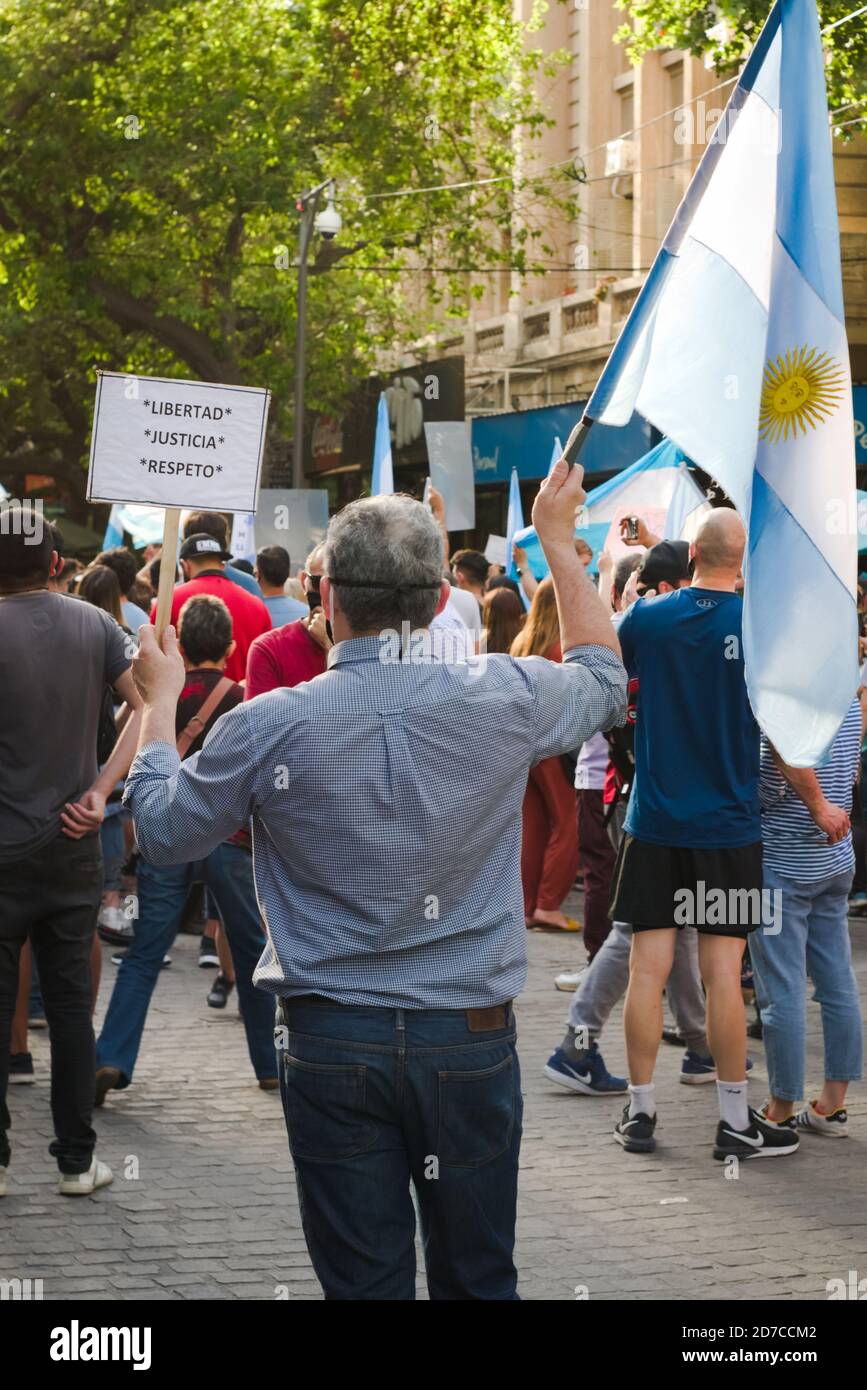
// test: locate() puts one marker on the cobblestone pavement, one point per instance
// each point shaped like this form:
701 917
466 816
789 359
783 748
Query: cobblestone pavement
203 1204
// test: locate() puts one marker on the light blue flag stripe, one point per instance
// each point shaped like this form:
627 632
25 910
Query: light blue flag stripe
383 471
782 560
807 222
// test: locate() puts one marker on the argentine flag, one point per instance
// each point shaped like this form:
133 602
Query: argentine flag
114 529
658 487
514 522
383 471
736 350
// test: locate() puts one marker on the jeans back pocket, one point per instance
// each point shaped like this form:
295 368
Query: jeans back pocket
476 1114
325 1110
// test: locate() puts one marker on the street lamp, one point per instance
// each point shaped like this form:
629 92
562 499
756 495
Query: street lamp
328 223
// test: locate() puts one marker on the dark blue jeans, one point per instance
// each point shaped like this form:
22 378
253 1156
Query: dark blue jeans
379 1100
162 893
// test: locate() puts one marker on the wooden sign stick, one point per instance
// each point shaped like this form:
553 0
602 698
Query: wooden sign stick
168 566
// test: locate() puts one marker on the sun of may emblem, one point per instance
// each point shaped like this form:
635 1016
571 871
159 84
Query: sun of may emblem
803 388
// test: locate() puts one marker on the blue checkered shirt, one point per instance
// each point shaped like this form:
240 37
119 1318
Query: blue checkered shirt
385 800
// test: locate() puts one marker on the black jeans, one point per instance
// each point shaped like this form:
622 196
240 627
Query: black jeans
53 897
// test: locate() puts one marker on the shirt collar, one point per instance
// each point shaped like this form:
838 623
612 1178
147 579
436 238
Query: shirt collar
355 649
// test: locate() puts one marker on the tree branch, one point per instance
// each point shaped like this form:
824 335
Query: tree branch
190 344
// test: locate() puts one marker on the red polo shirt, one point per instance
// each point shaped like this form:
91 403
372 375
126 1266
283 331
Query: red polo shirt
286 655
250 617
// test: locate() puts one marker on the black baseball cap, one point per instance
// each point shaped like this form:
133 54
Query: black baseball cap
202 547
26 539
667 562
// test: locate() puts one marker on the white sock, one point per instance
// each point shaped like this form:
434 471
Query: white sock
642 1101
733 1104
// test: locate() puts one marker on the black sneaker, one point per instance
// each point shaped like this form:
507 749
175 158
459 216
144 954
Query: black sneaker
636 1135
208 958
219 992
763 1139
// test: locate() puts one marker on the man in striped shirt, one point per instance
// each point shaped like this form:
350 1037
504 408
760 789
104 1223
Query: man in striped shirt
808 869
385 798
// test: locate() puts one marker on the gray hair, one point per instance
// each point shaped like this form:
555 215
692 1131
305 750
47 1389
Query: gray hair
395 544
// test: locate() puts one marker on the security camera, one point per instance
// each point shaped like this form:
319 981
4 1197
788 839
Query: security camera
328 222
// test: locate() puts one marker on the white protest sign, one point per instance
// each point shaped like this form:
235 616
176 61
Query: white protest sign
172 443
451 471
495 550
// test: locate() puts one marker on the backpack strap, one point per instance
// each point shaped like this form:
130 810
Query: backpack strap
195 727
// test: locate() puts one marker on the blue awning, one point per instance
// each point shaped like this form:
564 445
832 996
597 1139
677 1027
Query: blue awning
523 440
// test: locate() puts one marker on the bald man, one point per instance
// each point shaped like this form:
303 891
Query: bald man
691 855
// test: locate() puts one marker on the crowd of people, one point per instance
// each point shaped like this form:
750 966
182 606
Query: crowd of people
363 844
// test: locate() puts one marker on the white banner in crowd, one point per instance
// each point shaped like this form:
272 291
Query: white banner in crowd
495 550
296 518
243 541
176 443
451 471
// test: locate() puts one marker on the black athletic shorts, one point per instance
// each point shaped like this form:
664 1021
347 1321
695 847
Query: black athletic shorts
717 891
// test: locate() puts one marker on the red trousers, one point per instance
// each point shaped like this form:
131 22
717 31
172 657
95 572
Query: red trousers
549 846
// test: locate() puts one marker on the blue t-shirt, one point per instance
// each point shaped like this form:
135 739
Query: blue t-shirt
696 739
243 580
284 609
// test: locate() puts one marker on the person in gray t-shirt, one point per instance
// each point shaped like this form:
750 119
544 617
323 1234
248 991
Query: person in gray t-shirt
57 657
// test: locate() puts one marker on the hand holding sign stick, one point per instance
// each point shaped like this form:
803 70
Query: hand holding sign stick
168 564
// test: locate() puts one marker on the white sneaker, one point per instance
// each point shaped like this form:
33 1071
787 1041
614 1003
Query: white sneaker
2 1182
114 926
82 1184
570 979
833 1126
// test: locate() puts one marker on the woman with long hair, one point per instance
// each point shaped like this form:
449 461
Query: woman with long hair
99 585
502 619
549 846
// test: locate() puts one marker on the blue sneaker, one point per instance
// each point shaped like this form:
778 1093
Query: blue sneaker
588 1074
695 1070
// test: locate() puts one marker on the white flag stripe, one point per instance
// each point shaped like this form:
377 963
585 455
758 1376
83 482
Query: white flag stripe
735 217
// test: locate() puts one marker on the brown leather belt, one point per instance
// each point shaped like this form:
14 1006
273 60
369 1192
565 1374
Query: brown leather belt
488 1020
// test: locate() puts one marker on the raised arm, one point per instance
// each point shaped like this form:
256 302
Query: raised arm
584 618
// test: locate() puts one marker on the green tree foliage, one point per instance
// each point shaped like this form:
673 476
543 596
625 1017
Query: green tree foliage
151 152
727 29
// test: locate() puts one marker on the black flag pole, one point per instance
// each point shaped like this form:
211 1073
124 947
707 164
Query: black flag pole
577 439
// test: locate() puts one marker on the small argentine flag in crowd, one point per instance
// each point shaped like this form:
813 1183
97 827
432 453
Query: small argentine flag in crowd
383 471
658 487
514 522
143 525
736 350
114 529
